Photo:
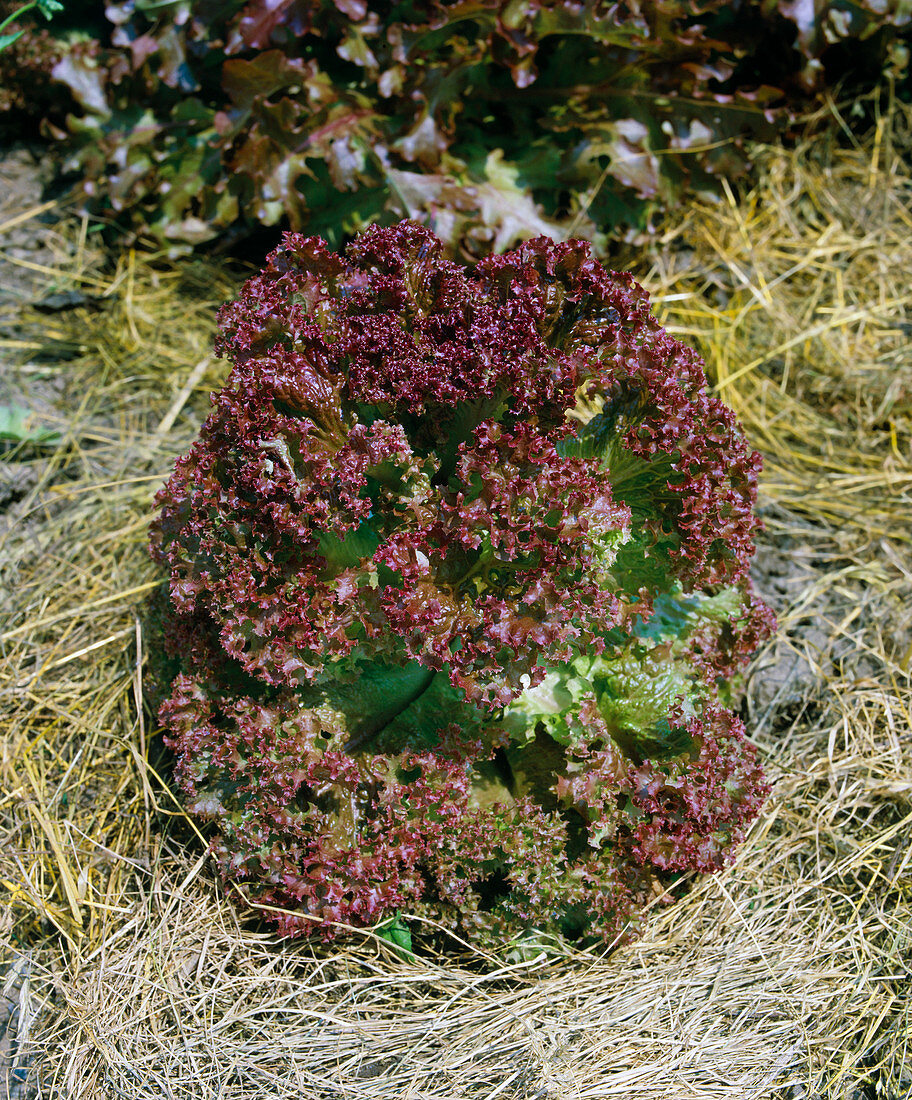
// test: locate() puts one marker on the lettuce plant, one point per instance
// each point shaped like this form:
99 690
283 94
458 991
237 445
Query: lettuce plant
28 54
9 36
458 580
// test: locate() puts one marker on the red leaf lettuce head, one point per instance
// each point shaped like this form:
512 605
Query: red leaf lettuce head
457 567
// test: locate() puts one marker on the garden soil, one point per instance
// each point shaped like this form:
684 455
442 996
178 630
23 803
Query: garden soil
125 973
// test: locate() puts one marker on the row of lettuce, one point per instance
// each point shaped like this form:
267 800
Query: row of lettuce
492 120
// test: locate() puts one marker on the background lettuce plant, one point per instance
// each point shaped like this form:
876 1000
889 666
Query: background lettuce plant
493 120
7 36
28 54
458 580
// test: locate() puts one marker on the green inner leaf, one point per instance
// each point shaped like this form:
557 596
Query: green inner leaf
350 550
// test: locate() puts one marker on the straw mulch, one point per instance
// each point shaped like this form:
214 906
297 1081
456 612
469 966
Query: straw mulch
124 973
